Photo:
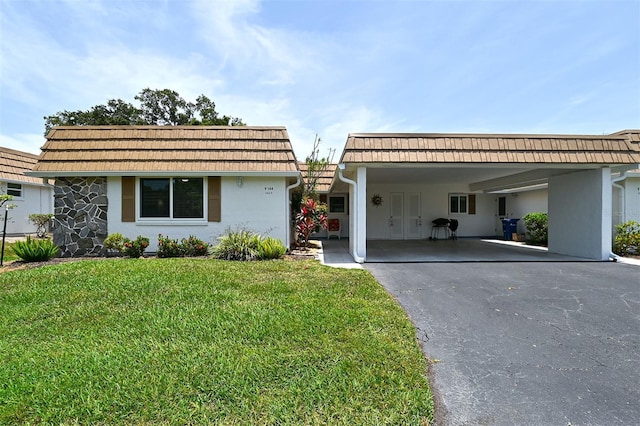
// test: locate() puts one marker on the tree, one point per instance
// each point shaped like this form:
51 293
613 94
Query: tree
157 107
316 166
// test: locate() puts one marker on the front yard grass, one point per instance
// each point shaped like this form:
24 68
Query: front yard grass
9 255
199 341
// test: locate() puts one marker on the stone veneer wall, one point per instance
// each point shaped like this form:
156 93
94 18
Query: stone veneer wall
80 206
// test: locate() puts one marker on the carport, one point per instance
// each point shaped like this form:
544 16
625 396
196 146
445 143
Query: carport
470 177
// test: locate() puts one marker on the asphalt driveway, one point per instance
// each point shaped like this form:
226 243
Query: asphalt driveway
526 343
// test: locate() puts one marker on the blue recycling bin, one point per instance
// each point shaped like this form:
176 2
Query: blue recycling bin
509 227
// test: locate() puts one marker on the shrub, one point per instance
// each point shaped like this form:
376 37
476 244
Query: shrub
627 239
193 246
271 248
34 250
114 242
537 225
240 244
168 247
311 218
41 220
135 249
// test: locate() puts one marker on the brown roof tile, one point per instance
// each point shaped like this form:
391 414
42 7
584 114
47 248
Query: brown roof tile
618 148
324 180
148 149
14 163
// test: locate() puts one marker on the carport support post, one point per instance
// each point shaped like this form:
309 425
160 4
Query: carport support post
361 209
580 214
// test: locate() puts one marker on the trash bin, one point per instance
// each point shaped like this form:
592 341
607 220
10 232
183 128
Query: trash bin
509 227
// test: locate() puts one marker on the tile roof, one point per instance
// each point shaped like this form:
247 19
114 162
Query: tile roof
164 149
14 163
324 180
632 135
488 148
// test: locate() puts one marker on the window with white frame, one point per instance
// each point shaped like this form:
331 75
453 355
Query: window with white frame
172 198
458 203
14 189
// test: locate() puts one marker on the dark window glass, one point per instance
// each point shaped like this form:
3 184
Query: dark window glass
336 205
14 189
187 198
463 204
502 206
154 197
453 204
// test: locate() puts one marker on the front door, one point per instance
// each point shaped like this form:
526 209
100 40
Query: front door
396 215
413 218
405 221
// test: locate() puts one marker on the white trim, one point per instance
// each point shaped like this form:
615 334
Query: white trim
161 174
24 182
171 220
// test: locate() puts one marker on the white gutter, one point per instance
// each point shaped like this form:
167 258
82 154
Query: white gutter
288 189
614 181
355 213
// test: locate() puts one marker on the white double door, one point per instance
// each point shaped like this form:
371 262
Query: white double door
405 221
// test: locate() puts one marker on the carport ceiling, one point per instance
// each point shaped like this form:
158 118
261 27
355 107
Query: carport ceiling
438 175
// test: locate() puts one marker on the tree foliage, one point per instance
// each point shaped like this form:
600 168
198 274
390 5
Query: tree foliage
157 107
316 166
627 239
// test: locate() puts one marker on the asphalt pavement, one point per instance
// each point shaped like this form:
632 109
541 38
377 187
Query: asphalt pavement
551 343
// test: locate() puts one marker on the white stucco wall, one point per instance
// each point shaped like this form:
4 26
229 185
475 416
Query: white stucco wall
434 201
35 199
626 201
632 199
259 205
580 214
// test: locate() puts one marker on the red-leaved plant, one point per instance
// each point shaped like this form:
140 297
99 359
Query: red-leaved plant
311 217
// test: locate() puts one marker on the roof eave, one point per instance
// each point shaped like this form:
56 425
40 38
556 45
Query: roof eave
53 174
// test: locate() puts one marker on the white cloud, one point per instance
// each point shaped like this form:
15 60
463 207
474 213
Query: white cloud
23 142
268 56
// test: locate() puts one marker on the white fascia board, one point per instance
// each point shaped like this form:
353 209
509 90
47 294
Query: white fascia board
22 182
169 174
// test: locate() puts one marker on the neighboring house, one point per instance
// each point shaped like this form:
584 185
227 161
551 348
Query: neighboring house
30 194
626 197
479 179
171 180
626 188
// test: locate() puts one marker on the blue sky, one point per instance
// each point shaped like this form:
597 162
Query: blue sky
330 67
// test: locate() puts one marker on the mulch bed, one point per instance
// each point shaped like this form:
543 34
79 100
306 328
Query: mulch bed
309 253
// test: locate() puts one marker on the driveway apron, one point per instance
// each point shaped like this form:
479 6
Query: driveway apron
526 343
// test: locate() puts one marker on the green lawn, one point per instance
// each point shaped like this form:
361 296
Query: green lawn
9 255
198 341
